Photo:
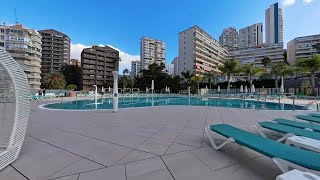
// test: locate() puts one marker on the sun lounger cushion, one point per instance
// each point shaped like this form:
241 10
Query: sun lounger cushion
315 115
289 129
297 124
308 118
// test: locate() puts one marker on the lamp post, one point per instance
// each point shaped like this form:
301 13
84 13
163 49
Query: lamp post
115 91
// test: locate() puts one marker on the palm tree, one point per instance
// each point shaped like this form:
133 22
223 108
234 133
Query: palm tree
187 75
196 78
54 81
281 69
230 68
211 78
310 65
266 61
252 70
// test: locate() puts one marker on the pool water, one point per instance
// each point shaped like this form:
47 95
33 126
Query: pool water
129 102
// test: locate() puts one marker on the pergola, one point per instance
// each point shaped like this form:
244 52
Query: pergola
14 108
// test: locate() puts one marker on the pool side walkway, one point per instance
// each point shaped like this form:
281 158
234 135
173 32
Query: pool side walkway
157 143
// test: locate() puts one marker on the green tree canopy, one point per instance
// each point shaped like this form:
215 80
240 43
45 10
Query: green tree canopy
54 81
251 70
230 68
72 74
310 65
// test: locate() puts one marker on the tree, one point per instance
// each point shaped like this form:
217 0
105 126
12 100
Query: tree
210 77
54 81
251 70
230 68
317 47
71 87
266 61
187 75
281 69
72 74
310 65
196 78
154 72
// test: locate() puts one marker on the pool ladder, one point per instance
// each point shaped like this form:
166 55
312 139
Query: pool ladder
310 103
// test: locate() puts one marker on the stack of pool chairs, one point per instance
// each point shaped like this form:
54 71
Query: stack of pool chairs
40 97
298 157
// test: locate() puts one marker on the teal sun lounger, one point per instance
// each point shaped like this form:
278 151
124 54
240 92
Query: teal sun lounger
285 157
302 125
309 118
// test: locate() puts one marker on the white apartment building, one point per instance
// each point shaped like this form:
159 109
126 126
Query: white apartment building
24 45
274 24
152 51
170 68
175 62
229 38
135 68
250 36
255 55
199 52
301 47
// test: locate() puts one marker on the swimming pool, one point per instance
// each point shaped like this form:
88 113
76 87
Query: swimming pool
129 102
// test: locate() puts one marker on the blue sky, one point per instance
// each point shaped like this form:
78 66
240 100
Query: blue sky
122 23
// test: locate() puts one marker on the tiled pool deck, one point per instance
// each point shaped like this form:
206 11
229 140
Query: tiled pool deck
155 143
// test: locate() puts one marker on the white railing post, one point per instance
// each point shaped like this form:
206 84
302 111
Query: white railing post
115 91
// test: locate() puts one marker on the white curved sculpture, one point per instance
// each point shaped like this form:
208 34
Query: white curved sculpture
14 108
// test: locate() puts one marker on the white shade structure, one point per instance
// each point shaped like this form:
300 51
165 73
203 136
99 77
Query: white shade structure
109 90
253 89
152 85
147 90
14 108
245 89
218 88
282 85
241 88
168 90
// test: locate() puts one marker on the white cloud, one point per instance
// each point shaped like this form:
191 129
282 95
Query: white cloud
125 62
289 2
307 1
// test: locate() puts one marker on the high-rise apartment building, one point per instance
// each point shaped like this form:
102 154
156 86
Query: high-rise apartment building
255 55
152 51
169 68
97 64
229 38
175 63
199 52
55 51
302 47
274 24
24 45
135 68
250 36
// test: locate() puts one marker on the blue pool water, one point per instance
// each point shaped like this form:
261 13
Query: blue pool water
128 102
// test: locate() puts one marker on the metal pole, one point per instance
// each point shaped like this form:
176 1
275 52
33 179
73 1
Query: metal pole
293 102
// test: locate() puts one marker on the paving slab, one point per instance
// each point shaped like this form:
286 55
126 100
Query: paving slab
114 173
260 169
80 166
174 148
135 155
72 177
38 160
9 173
148 169
186 166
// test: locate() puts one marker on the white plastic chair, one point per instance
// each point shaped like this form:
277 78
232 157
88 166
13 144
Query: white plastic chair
14 108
